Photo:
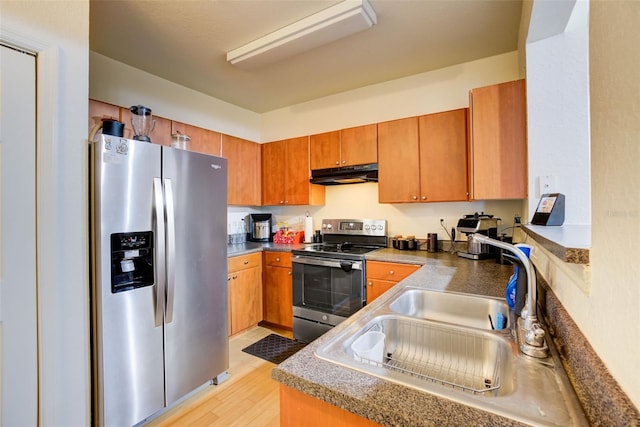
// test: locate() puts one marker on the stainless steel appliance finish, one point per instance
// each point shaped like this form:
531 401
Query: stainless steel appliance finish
260 226
478 223
159 298
329 278
345 175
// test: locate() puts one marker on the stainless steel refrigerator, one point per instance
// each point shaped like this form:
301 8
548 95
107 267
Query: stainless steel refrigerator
159 276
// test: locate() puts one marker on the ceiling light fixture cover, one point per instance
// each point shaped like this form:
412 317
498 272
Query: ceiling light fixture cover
333 23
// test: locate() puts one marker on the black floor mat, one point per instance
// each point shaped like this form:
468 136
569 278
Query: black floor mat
274 348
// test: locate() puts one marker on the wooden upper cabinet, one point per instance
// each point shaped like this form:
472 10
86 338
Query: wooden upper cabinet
398 162
498 149
202 140
443 156
325 150
359 145
161 133
244 171
346 147
285 174
273 161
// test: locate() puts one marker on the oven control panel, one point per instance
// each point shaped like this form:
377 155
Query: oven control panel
361 227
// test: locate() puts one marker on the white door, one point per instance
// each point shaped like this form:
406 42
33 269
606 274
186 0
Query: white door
18 301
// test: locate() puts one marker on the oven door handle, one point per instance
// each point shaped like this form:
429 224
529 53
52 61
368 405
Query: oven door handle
323 262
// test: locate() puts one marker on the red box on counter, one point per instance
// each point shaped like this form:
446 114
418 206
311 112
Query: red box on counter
288 237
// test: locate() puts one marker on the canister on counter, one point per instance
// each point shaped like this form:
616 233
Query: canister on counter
432 242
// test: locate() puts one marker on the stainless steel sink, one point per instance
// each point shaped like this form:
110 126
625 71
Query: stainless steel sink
437 348
418 351
456 308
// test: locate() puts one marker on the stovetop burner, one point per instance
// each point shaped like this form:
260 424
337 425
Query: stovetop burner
348 238
340 248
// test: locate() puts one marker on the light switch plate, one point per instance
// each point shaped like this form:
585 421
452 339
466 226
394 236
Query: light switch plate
546 184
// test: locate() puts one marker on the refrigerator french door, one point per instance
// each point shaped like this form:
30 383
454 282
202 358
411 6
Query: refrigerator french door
159 296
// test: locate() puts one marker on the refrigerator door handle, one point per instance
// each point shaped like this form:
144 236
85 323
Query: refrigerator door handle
158 207
171 250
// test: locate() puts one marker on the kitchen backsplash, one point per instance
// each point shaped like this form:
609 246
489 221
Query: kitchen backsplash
417 219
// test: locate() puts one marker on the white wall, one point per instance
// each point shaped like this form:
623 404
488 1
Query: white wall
583 90
59 32
558 107
120 84
610 317
439 90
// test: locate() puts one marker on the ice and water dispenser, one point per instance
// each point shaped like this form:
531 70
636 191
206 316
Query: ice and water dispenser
131 260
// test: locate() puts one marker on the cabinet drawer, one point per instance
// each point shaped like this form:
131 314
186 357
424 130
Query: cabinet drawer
277 259
389 271
242 262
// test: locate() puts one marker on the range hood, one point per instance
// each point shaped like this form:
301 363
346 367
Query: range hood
345 175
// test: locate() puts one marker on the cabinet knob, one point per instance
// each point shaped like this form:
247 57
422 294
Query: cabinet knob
424 197
370 283
344 161
235 276
246 262
391 272
282 202
278 259
286 202
289 272
228 278
337 162
414 197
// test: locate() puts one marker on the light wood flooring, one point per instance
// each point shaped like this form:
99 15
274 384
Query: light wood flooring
249 397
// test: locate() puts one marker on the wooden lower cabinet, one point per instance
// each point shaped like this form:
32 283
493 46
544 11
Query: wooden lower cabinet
382 276
244 292
299 409
277 289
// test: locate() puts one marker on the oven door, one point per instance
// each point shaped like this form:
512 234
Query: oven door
331 286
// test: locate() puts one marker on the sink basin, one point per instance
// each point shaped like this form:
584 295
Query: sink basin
441 343
456 308
418 352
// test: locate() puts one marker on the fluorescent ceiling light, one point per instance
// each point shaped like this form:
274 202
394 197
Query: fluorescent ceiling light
333 23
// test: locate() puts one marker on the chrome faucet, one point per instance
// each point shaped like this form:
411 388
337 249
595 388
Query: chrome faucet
529 332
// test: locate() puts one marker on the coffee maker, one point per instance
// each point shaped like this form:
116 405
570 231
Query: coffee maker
260 226
478 223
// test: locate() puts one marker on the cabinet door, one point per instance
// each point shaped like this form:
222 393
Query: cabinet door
359 145
398 162
297 173
244 166
325 150
499 141
273 162
202 140
161 133
245 299
443 156
278 296
376 287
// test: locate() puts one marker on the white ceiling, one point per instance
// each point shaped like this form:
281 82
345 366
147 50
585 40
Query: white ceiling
185 41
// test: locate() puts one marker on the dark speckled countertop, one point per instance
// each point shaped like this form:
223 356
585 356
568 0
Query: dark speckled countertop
250 247
382 401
